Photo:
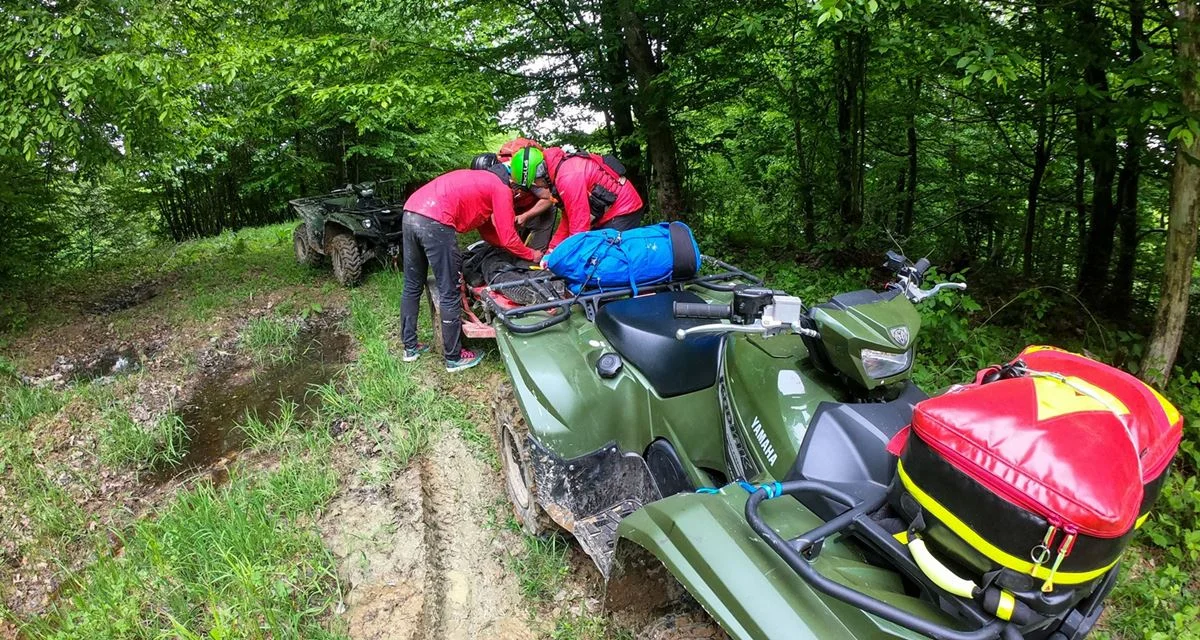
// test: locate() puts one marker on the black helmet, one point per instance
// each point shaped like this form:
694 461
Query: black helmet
484 161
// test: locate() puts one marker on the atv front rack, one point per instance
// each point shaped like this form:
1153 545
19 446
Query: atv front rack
800 552
558 311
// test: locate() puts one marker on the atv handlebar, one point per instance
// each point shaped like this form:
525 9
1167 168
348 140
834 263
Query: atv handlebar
703 311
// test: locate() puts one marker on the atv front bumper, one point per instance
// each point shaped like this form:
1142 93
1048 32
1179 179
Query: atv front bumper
705 542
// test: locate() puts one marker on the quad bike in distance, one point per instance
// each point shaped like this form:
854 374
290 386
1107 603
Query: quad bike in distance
736 437
351 226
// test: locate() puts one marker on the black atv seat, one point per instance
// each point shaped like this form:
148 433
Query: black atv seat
642 330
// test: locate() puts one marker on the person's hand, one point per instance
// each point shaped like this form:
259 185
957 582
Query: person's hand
537 256
522 218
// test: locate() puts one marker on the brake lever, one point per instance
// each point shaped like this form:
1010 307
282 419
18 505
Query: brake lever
757 327
921 294
720 327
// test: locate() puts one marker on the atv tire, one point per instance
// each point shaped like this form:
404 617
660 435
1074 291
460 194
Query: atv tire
347 259
304 251
515 464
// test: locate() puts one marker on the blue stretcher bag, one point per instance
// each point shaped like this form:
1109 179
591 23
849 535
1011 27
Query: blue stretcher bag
607 259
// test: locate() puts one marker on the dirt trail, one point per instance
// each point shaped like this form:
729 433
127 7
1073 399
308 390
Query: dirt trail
416 559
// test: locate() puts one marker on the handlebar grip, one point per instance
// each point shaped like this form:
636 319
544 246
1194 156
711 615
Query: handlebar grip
922 266
703 310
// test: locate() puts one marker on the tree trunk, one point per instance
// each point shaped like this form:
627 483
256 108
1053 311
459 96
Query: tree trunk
1127 182
1102 156
910 187
847 52
653 114
1184 215
1041 158
620 107
1083 129
804 182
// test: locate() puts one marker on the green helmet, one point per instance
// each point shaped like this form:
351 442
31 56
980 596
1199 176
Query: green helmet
527 164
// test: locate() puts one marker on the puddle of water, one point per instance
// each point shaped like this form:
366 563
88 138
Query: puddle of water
223 401
109 363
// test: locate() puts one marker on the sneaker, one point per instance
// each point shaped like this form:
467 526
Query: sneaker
411 355
466 360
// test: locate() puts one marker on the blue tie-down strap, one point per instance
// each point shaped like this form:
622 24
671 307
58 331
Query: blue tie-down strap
773 489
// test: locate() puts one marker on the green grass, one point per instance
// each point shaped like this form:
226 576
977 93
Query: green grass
393 402
234 562
543 566
34 485
270 340
242 560
125 443
275 431
587 627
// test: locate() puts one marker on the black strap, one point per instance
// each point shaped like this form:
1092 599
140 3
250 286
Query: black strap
683 258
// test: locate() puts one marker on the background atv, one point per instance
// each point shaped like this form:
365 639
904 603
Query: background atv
351 226
737 437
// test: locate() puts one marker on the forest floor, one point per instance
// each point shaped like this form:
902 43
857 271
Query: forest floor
213 441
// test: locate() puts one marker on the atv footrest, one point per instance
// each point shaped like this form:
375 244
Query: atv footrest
597 533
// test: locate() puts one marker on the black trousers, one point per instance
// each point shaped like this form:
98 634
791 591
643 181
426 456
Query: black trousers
431 244
538 231
625 222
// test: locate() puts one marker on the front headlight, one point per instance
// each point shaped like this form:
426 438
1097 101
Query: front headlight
366 223
881 364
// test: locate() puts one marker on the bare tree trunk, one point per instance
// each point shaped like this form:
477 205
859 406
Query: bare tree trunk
1184 215
849 123
804 182
1041 158
1083 128
1102 156
654 115
620 107
1127 181
910 187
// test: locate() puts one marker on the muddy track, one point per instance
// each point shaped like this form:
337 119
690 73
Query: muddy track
435 547
417 559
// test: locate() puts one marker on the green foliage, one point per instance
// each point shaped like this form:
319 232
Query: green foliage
125 443
270 339
274 431
542 568
586 627
217 563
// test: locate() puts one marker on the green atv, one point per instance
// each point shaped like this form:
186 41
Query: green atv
736 437
350 226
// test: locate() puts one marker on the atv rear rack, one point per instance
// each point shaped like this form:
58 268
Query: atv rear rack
801 551
560 310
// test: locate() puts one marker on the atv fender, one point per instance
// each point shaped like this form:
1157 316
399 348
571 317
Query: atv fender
706 544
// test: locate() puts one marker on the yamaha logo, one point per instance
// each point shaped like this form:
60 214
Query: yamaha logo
900 336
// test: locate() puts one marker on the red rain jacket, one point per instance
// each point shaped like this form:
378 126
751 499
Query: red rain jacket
467 199
573 178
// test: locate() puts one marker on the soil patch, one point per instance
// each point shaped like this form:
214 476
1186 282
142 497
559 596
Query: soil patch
125 297
418 557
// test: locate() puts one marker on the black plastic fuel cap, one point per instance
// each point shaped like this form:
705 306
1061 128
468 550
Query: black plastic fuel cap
609 365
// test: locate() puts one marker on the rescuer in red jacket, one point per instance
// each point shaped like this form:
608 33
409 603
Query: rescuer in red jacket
457 202
593 196
535 215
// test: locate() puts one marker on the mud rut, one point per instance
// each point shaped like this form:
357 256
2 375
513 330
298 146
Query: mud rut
417 558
